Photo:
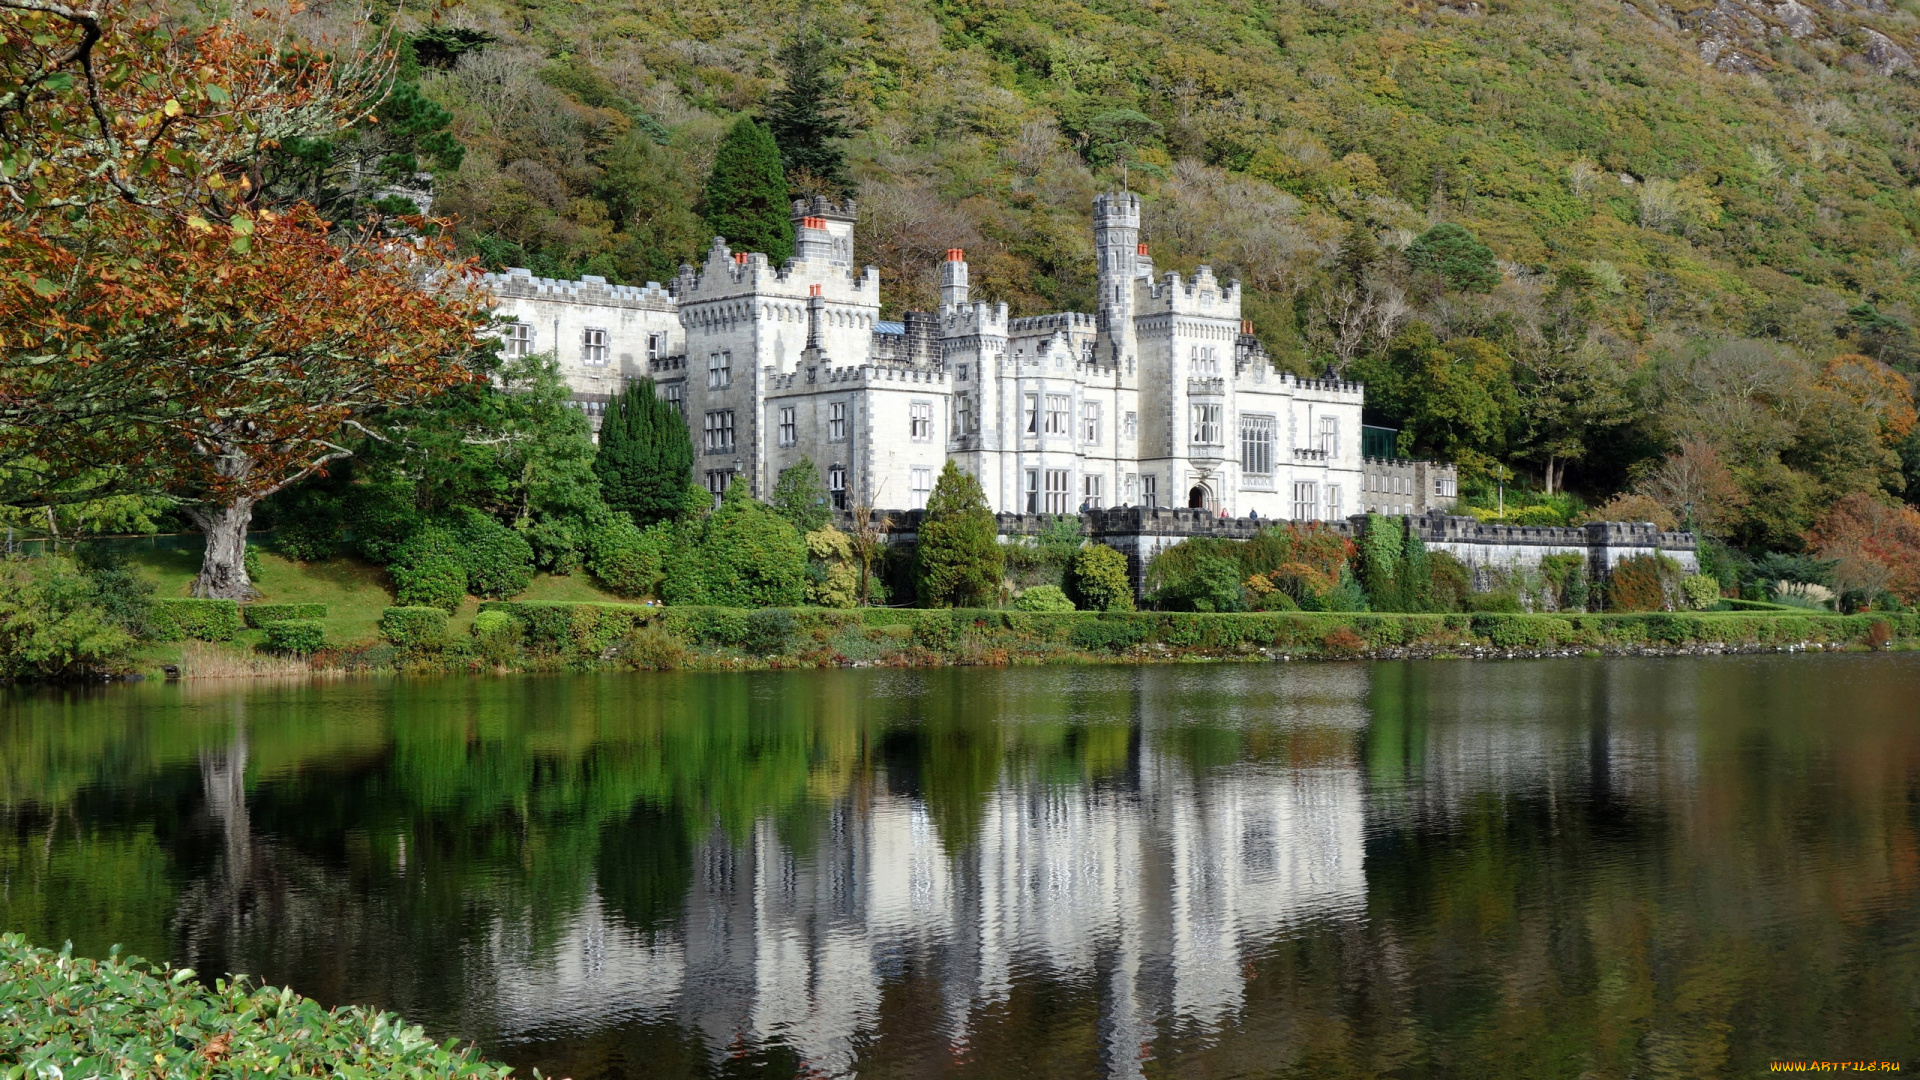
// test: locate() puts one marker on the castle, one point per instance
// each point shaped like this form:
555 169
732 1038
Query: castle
1161 397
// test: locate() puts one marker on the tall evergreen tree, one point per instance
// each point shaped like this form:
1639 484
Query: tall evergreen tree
804 121
645 457
958 561
746 196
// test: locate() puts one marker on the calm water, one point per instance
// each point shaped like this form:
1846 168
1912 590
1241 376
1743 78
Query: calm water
1603 868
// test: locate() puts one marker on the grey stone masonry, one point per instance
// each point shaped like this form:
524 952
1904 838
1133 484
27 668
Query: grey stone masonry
1140 533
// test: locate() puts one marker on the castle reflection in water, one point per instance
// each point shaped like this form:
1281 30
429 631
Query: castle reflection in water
1155 891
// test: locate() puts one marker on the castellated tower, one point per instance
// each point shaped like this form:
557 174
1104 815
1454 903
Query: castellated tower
1116 240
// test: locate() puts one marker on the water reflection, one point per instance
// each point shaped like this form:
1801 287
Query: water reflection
1613 867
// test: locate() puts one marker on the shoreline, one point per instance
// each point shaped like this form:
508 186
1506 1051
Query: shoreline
585 636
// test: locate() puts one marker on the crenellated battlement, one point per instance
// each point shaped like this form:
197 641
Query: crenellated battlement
519 283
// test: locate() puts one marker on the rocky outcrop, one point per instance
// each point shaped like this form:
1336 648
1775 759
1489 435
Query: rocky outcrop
1733 35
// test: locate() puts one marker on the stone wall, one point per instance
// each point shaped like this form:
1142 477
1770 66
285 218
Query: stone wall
1140 533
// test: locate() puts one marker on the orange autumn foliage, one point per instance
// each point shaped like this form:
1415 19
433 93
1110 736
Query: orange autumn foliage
1875 546
1876 388
162 329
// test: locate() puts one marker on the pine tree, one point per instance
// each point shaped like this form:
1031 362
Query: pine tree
958 562
746 196
645 456
803 120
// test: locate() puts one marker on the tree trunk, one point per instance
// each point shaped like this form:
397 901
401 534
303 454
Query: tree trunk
223 571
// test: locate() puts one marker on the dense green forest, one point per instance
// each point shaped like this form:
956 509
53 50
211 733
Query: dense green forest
1645 267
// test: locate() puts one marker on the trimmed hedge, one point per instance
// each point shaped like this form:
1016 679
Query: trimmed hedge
414 627
300 637
588 634
259 615
201 620
63 1015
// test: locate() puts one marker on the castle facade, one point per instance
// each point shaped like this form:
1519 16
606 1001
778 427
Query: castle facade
1160 397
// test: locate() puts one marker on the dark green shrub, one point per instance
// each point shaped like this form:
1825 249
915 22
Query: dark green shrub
496 636
770 631
1112 633
1097 580
800 497
957 560
308 539
298 637
741 555
1566 578
629 560
259 615
1505 600
200 620
1200 574
121 1016
428 570
498 561
1043 598
381 523
1511 631
414 627
1456 257
120 591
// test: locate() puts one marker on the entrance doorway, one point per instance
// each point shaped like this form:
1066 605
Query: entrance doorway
1197 498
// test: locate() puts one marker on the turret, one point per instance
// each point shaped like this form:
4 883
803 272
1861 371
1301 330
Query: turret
953 281
1116 240
811 240
823 229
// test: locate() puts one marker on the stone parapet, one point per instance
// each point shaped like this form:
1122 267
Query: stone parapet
1141 532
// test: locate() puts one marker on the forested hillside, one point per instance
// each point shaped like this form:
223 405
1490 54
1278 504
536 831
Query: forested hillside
1689 213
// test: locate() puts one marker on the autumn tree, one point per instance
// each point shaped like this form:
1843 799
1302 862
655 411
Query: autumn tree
163 328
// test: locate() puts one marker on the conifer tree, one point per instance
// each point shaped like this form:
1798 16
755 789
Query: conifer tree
958 562
746 197
804 123
645 456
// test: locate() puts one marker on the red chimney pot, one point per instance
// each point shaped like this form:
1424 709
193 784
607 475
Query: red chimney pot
956 255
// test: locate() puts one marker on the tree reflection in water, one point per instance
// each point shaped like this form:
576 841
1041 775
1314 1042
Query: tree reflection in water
1594 867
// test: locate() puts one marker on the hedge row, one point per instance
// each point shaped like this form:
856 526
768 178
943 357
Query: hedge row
297 637
65 1016
587 631
173 619
259 615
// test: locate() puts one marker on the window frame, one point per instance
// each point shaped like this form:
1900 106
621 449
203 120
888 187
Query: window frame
517 339
1059 490
836 421
837 485
595 346
717 431
1059 414
1090 422
789 429
917 495
1206 422
719 369
920 421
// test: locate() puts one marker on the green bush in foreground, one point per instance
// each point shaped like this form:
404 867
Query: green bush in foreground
65 1016
297 637
259 616
413 627
1043 598
202 620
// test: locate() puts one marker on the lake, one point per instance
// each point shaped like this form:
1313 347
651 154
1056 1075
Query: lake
1589 867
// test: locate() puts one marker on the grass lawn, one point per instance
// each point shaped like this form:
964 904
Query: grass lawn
353 591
